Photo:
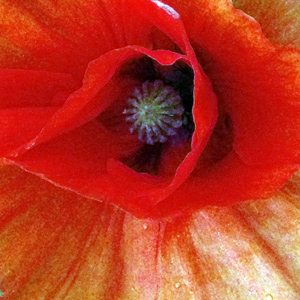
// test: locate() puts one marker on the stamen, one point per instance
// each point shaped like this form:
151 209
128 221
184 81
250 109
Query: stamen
155 112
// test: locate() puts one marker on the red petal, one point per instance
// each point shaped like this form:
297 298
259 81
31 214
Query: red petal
95 94
20 125
24 88
258 82
66 36
29 99
228 182
230 79
77 159
86 171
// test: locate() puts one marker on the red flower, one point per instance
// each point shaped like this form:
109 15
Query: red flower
63 90
69 127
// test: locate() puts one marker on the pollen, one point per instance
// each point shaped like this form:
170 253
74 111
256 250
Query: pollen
155 112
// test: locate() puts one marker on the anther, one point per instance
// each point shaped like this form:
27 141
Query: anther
155 112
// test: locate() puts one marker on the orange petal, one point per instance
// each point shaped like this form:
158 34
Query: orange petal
56 245
278 19
234 253
42 34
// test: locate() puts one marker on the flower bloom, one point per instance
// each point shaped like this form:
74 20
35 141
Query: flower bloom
158 108
234 135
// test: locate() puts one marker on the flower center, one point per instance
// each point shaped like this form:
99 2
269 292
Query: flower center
155 112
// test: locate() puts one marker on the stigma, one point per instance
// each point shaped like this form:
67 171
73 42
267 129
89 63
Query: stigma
155 112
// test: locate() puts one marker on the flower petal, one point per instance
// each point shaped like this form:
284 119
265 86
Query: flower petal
97 89
278 19
24 88
228 182
20 125
77 159
87 172
28 101
257 81
46 35
219 253
56 245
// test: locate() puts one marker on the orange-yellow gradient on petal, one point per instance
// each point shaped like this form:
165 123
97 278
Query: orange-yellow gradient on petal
56 245
279 20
